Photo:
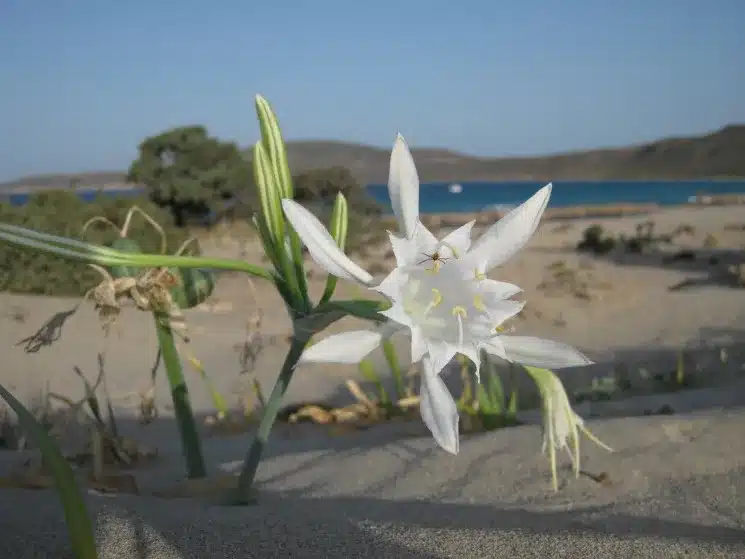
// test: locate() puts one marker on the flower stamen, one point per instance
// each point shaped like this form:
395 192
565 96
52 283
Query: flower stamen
435 267
478 304
435 301
460 313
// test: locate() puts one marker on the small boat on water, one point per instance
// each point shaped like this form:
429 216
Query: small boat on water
455 188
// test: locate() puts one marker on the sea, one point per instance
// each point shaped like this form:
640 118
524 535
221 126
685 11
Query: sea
468 197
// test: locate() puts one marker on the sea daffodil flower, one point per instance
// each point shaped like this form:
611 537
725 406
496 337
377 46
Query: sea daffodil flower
439 293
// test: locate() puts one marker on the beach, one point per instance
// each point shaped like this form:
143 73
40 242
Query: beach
676 479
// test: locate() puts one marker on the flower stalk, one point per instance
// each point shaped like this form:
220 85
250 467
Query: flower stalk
244 490
191 445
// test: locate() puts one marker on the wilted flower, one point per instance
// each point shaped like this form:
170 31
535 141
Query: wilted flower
561 425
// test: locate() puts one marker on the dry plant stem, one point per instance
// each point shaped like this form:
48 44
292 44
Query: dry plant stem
191 444
243 493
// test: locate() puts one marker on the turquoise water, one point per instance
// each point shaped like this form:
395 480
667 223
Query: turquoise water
478 196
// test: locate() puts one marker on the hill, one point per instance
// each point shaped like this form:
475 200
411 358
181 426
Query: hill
715 155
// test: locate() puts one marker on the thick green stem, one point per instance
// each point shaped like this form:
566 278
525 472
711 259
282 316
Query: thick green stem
190 442
251 463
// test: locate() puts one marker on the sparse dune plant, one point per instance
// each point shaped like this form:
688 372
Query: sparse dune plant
438 294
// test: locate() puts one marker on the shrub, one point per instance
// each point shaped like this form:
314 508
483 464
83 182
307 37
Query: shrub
593 240
61 212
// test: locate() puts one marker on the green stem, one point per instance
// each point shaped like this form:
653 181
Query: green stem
398 378
190 442
253 456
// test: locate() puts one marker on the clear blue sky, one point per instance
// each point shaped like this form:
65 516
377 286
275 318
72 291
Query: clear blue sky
83 81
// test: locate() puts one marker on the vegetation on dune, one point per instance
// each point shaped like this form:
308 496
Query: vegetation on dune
61 212
188 174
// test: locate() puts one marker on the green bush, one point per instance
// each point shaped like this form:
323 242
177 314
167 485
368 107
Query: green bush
61 212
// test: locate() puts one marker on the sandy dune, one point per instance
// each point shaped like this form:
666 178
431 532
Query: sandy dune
677 481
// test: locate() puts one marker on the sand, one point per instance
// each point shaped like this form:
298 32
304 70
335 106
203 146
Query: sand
677 482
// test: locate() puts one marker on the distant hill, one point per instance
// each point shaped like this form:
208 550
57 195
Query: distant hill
720 154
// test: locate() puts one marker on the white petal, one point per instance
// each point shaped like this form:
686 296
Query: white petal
426 243
537 352
403 187
472 353
404 250
494 347
502 311
492 291
510 234
392 285
457 243
348 347
440 354
397 314
418 344
438 409
321 245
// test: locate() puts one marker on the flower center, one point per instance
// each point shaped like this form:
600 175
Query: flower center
444 300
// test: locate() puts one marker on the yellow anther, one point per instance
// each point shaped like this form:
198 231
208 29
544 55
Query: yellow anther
435 267
438 297
478 275
500 329
460 311
478 303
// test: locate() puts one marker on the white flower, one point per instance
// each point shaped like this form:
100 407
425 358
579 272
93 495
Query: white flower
439 293
561 425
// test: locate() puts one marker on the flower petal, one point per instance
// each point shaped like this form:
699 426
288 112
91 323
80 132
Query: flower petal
426 243
494 347
321 245
492 291
438 409
537 352
510 234
418 344
404 250
472 352
459 241
440 354
501 311
403 187
348 347
397 314
392 285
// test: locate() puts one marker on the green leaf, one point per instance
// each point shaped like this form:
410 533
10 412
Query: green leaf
79 526
338 229
485 403
494 386
86 252
361 308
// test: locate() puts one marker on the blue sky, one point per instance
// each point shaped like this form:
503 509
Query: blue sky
83 81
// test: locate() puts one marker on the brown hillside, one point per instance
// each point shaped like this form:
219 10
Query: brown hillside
720 154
